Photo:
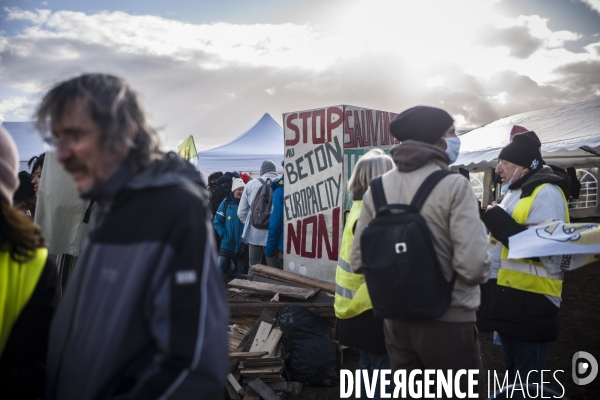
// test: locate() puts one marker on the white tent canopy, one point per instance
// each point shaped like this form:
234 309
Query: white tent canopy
563 131
28 140
263 141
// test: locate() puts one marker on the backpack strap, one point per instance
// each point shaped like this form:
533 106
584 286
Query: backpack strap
379 199
426 188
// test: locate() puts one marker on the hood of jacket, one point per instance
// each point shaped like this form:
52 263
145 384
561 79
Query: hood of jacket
278 183
227 177
411 155
546 174
169 170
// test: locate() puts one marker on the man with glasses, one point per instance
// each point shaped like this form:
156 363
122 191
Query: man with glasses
144 315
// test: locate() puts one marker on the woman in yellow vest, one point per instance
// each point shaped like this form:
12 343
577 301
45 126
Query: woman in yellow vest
27 289
356 326
522 299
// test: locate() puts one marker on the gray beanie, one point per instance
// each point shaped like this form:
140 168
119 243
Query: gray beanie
267 166
9 167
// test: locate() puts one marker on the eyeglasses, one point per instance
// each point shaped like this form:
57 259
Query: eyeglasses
67 139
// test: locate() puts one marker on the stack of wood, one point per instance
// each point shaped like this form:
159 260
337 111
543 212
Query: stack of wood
256 349
274 289
257 362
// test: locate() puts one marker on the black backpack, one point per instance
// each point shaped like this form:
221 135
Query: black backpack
262 205
401 267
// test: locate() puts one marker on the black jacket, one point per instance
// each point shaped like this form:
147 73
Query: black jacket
220 190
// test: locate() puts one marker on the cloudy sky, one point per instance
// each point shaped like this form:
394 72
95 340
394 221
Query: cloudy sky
212 69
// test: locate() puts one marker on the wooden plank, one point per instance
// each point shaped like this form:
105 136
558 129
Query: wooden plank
235 384
296 278
255 309
252 362
264 314
261 336
251 394
278 386
272 341
269 288
265 392
267 370
247 354
320 297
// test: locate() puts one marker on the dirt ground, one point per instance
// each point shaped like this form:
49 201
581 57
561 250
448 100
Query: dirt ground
579 331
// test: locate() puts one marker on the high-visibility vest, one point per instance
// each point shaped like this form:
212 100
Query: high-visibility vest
525 274
351 295
17 283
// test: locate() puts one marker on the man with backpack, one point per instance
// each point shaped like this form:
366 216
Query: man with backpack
255 210
419 336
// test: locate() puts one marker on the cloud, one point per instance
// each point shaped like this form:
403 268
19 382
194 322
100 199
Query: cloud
517 39
16 108
214 81
593 4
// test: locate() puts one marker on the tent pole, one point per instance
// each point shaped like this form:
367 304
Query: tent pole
589 150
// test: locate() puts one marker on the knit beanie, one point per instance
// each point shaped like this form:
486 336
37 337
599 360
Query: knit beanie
245 177
267 166
421 123
237 183
9 166
524 150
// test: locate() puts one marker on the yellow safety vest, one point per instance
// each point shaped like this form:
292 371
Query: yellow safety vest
351 295
525 274
17 283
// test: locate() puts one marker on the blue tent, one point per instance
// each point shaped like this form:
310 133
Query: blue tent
28 140
263 141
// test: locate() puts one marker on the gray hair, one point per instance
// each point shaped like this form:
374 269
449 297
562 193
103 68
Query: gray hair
114 106
369 166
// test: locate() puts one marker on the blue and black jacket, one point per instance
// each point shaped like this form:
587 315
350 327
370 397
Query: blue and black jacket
228 225
275 238
144 315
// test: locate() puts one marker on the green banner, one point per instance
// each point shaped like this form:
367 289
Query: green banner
187 149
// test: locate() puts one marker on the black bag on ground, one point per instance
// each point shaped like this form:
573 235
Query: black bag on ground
262 205
401 267
313 359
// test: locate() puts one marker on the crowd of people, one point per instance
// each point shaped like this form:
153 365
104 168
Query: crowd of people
145 315
518 299
240 242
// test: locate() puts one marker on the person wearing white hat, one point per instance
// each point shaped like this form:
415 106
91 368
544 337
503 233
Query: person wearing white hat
230 228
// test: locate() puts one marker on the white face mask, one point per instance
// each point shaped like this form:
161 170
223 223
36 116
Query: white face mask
452 148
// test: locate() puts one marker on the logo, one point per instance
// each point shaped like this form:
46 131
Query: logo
534 164
400 248
185 277
581 367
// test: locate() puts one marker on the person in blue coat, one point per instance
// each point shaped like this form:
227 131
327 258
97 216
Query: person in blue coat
274 249
230 228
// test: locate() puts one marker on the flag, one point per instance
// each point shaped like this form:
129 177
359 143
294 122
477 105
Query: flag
187 149
576 243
